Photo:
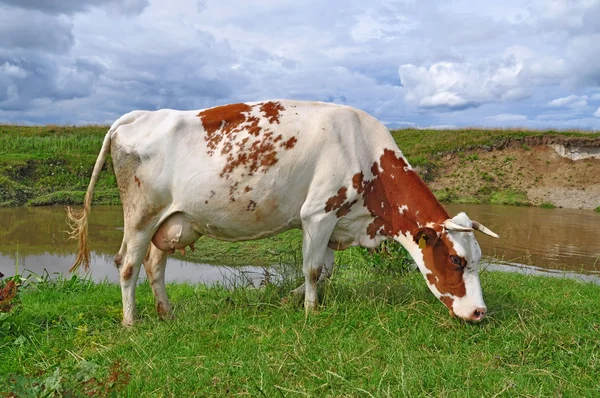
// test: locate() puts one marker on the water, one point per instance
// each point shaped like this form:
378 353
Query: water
36 240
553 239
532 240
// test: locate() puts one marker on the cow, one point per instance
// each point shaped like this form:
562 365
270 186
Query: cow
252 170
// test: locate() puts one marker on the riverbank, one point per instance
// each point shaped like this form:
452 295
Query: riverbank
375 336
51 165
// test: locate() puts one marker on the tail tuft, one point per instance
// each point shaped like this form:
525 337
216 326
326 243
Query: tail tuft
78 219
78 224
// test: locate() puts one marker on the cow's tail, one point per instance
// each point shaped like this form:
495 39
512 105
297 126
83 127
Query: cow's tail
78 219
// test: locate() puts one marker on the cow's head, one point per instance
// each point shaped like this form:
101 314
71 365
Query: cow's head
448 255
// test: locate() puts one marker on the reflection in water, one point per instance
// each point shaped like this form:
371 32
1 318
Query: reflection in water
35 239
563 239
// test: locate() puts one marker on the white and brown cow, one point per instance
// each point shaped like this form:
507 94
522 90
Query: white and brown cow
248 171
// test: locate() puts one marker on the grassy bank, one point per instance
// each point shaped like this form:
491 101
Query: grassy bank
375 336
48 165
52 165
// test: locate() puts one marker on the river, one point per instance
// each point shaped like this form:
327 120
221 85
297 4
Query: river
531 240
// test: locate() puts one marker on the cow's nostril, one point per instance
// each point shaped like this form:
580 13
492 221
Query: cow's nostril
478 314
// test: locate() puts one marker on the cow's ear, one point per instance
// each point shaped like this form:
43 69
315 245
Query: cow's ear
425 237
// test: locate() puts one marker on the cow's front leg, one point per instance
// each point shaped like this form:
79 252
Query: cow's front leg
316 232
155 264
326 273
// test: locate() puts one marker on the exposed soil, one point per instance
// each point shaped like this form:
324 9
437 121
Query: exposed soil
530 168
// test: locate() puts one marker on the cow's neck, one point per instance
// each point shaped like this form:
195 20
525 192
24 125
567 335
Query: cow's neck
398 198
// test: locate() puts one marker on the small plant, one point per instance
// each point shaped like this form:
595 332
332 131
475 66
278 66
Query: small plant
473 157
548 205
509 197
597 209
487 177
390 257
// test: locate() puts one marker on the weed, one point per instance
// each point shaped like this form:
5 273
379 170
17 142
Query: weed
548 205
597 209
509 197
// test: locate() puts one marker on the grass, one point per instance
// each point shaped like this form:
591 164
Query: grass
375 336
509 197
47 165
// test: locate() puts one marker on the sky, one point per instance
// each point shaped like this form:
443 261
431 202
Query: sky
420 63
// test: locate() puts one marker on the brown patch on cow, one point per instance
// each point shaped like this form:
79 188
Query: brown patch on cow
395 185
226 118
251 206
445 276
432 279
137 180
335 202
271 110
226 148
345 208
289 144
448 301
314 274
357 182
127 272
247 189
257 152
118 261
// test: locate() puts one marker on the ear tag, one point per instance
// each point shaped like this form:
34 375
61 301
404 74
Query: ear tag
422 243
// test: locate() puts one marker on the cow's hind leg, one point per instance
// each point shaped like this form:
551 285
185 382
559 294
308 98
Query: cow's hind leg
155 264
130 259
326 273
316 231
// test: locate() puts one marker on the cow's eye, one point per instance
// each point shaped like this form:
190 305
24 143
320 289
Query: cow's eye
458 262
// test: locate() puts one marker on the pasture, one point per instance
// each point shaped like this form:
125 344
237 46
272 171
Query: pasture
376 335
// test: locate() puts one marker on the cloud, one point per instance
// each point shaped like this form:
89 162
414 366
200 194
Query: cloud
508 117
597 113
33 30
572 101
383 25
425 63
70 7
454 86
23 81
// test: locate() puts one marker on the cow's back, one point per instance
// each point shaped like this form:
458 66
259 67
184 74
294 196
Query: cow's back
243 171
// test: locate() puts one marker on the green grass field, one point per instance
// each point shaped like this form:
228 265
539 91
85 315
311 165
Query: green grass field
375 336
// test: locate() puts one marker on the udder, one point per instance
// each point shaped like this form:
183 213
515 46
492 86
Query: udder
176 232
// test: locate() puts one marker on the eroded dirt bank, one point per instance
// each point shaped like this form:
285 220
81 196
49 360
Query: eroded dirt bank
526 171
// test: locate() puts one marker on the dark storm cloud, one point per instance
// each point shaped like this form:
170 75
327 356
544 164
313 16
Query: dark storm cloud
29 78
70 7
33 30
